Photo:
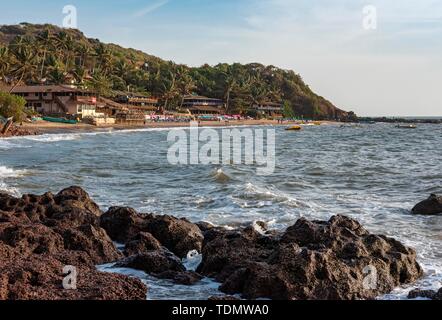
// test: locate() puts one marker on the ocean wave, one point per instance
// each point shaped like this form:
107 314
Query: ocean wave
54 137
9 190
220 176
6 172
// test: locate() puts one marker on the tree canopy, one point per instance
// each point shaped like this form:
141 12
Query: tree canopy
46 54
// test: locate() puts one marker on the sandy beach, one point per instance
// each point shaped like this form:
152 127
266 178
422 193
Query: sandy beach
51 127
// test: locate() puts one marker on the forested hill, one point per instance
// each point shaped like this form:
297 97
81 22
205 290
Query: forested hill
34 54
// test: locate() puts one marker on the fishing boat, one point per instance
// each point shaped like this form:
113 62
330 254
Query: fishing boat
59 120
406 126
294 128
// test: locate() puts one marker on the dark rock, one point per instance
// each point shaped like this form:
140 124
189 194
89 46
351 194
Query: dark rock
205 226
431 206
94 241
418 293
438 295
153 262
186 278
223 298
39 235
40 277
122 223
141 243
311 260
178 235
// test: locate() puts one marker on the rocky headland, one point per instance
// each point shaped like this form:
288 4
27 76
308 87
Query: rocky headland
336 259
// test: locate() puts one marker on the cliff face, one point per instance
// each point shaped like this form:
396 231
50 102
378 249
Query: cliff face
69 54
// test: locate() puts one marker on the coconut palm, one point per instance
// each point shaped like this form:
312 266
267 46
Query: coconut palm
5 66
45 41
25 60
104 58
57 76
185 83
100 83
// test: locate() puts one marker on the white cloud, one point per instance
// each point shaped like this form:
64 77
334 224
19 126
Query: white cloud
151 8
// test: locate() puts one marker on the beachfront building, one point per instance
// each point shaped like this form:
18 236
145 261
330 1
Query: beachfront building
199 105
58 99
271 109
141 103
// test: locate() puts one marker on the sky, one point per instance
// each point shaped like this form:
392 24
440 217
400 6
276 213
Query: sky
375 57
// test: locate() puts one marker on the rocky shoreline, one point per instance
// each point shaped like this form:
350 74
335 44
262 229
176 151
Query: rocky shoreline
336 259
18 131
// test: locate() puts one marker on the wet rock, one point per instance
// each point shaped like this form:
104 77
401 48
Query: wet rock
223 298
186 278
178 235
39 235
418 293
438 295
310 260
40 277
428 294
205 226
153 262
431 206
94 241
142 242
122 223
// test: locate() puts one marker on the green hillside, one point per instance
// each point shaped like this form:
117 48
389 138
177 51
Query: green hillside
35 54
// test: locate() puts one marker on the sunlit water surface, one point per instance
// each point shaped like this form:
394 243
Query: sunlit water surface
375 173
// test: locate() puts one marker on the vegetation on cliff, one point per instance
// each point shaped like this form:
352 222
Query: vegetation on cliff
36 54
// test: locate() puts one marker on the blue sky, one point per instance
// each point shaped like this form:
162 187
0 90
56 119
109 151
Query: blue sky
393 70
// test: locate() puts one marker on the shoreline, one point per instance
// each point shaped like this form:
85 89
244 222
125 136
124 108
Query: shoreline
69 228
44 127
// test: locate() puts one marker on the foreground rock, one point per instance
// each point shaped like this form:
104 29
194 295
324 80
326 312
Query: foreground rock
39 235
178 235
17 131
428 294
431 206
337 259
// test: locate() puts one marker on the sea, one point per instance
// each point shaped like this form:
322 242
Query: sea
374 173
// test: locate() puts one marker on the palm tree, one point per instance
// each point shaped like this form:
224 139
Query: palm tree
83 53
169 89
100 83
230 83
57 76
66 48
45 39
185 84
5 66
79 74
104 58
25 56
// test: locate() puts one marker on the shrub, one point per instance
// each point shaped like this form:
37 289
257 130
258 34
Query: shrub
12 106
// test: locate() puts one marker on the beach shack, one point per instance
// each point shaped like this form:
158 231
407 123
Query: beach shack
57 99
138 102
200 105
269 109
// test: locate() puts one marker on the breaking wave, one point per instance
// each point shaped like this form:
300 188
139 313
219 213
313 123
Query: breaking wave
220 176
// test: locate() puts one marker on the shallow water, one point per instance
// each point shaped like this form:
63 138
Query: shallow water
375 174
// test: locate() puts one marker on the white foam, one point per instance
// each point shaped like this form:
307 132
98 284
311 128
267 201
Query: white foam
193 260
54 137
6 172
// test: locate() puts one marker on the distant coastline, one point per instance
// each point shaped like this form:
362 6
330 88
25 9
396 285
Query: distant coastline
408 119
